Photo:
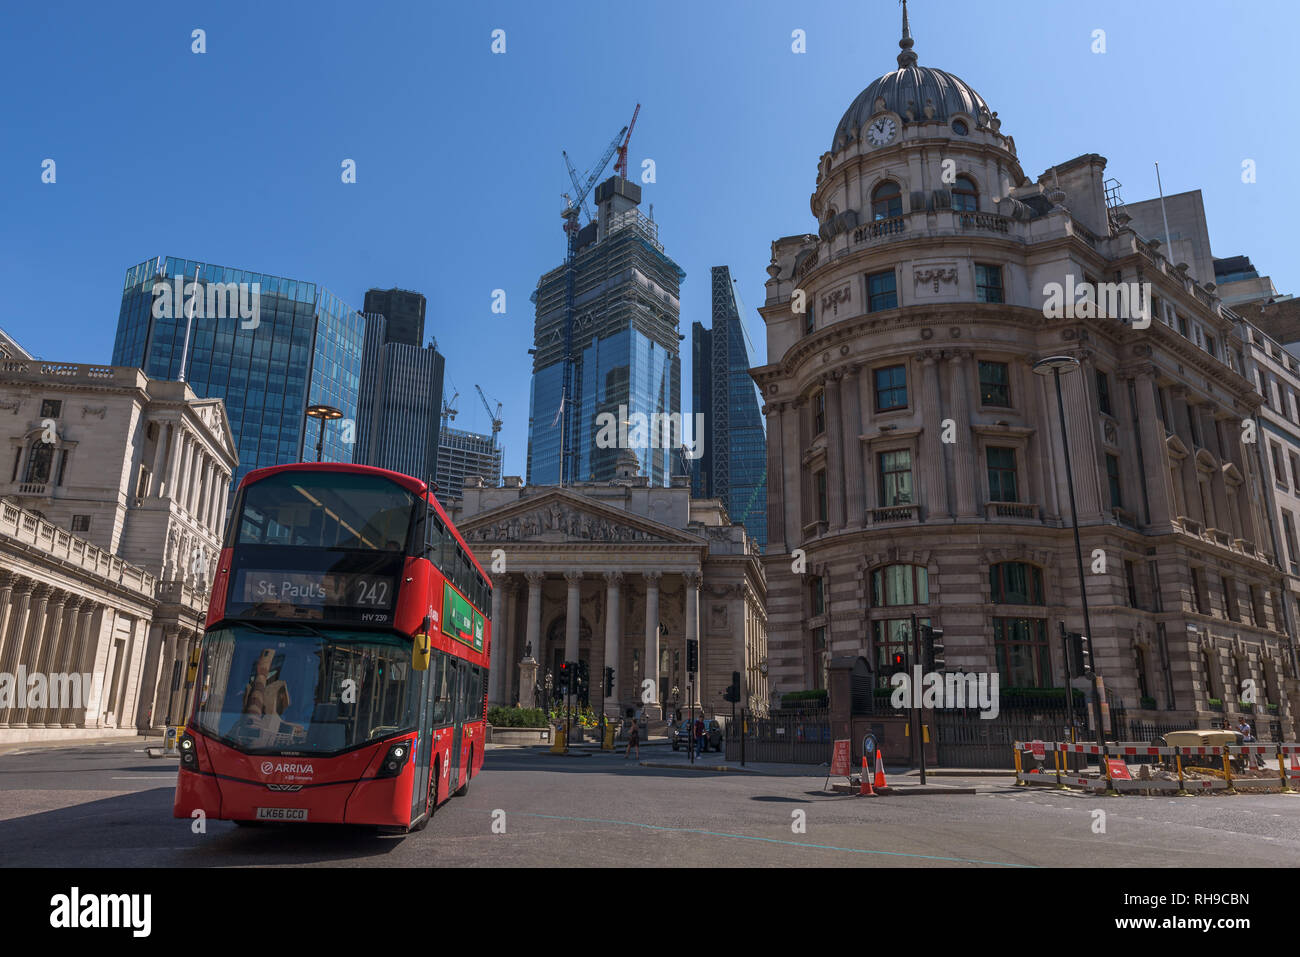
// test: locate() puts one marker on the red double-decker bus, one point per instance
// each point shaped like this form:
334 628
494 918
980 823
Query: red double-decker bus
343 671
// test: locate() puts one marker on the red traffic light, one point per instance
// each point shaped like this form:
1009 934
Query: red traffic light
898 658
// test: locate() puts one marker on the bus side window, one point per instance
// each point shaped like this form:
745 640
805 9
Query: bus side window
433 542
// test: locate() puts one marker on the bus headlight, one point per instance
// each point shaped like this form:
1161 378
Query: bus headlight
189 753
396 758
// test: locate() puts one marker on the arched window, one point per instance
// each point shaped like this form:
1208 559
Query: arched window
1016 583
900 585
886 201
39 461
965 197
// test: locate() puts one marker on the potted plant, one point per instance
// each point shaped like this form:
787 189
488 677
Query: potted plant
1216 704
1148 702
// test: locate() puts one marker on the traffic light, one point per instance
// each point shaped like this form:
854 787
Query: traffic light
932 642
897 663
732 693
692 655
564 677
609 682
1080 653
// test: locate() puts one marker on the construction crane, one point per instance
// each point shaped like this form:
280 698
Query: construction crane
620 165
494 416
572 211
577 186
449 407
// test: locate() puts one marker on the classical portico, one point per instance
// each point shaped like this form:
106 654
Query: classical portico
619 575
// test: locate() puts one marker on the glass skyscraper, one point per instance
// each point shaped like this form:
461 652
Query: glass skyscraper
303 347
625 345
734 464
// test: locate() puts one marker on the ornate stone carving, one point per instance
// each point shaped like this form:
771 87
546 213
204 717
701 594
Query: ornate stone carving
558 518
833 299
97 411
935 275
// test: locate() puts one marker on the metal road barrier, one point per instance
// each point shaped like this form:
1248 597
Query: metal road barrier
1288 758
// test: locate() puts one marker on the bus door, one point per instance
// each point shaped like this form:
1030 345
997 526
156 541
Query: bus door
461 669
424 743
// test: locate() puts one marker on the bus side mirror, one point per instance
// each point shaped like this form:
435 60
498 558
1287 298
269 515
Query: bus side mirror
421 650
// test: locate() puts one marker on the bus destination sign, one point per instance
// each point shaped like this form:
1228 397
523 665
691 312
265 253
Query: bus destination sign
266 592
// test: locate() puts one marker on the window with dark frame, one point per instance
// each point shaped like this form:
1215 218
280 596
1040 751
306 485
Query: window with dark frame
51 408
896 478
891 388
1103 393
1015 583
809 320
988 283
1112 479
965 195
893 585
823 508
817 595
81 523
819 413
1130 581
886 201
882 291
1198 591
1020 646
1229 597
1002 474
995 384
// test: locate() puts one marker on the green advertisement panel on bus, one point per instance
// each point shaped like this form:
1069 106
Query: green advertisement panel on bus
460 620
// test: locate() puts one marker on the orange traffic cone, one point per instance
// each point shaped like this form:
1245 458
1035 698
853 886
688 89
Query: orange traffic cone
880 772
866 790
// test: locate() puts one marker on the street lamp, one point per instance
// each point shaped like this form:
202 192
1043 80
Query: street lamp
325 413
1054 366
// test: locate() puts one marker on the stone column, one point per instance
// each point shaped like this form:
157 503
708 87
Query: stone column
1155 454
42 654
7 582
775 412
791 477
651 657
834 456
965 478
35 629
183 469
163 688
172 473
573 614
159 461
24 589
507 645
533 635
933 487
851 411
498 664
82 658
58 663
739 632
613 635
691 581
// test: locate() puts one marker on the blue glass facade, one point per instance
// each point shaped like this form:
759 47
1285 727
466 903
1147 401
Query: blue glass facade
734 465
303 347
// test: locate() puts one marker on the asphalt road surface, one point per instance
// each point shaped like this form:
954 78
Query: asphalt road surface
110 805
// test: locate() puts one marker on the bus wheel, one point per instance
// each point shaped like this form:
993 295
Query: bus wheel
469 767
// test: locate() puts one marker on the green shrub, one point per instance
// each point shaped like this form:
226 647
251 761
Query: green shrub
792 699
1148 703
516 717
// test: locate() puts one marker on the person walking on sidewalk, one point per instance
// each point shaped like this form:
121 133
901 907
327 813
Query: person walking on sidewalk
633 741
699 736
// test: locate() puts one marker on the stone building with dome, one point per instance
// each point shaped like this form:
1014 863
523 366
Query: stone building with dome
915 461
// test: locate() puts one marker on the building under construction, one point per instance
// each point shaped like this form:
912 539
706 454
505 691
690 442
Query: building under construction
625 344
462 454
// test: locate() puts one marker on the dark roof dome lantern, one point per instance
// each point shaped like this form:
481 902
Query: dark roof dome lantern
914 92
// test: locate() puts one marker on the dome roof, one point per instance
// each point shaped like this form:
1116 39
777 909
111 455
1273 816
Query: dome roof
910 87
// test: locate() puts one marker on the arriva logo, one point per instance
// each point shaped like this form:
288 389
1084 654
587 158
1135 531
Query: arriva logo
270 767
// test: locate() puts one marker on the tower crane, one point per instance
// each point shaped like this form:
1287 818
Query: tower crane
620 164
449 407
572 210
494 416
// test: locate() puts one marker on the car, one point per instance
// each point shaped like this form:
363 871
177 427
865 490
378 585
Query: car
712 735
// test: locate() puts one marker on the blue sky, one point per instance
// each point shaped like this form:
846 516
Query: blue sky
233 156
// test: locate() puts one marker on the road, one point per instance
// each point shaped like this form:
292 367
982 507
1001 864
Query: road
110 805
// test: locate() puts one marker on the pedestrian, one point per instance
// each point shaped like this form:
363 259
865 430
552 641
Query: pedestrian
699 735
1248 737
633 741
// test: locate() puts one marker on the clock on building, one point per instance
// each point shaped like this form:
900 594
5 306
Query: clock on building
881 131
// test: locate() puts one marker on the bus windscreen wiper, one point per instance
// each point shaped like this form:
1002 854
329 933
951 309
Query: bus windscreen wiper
311 629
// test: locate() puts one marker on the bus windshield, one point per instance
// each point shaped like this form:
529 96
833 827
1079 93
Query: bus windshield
325 510
312 691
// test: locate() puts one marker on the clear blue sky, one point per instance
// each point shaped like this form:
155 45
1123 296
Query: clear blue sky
233 156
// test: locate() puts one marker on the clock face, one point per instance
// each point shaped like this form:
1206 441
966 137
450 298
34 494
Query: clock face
881 131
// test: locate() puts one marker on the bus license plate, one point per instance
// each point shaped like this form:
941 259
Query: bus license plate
282 814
